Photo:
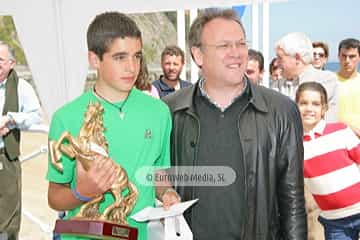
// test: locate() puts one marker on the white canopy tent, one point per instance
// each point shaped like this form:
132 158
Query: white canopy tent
53 35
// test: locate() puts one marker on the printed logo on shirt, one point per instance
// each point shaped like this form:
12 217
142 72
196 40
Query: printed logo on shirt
147 134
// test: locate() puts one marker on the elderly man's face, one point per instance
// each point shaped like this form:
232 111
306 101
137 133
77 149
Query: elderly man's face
6 64
287 64
223 53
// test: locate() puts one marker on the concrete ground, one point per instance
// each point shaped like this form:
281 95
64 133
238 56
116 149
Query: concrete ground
35 190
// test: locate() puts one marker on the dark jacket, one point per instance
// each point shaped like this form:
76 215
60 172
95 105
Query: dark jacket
270 133
164 89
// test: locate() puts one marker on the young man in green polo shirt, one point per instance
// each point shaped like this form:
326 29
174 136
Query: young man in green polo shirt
137 126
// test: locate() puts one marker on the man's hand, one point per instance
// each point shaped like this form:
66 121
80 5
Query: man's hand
356 131
170 197
4 121
98 179
4 131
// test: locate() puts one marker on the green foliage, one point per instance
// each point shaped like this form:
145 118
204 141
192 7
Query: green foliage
172 17
150 52
8 34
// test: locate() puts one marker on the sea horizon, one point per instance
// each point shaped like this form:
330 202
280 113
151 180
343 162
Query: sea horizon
332 66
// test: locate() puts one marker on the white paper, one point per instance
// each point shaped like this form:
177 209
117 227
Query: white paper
176 228
152 213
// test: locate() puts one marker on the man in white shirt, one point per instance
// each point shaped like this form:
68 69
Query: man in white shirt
20 109
294 52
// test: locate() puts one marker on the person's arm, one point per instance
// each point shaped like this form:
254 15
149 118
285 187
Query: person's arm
29 108
356 131
331 86
352 145
164 190
97 180
61 198
290 180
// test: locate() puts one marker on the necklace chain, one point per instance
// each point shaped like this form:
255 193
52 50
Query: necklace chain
120 108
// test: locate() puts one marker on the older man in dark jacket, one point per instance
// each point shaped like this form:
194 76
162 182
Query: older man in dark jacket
224 120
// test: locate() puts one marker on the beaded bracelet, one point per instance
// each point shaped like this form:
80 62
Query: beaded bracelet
80 197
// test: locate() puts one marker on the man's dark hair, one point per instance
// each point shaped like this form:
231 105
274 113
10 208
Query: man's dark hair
204 18
107 27
257 56
274 64
349 43
173 50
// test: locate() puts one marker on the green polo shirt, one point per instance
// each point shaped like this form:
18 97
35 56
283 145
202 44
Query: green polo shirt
140 139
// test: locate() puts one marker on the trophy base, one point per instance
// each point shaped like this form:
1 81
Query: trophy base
95 229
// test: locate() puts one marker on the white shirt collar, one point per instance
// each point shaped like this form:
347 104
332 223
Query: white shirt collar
2 84
318 129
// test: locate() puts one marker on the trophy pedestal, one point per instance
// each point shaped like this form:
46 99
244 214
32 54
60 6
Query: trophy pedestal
96 229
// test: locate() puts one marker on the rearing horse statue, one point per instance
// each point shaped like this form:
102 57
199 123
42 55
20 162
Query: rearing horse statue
90 142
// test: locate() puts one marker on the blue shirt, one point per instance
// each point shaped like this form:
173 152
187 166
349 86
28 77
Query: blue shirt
165 89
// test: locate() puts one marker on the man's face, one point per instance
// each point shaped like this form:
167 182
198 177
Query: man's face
320 58
287 64
349 60
223 53
120 65
253 72
6 64
172 66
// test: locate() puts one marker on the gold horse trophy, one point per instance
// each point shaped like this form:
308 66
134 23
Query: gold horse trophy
111 224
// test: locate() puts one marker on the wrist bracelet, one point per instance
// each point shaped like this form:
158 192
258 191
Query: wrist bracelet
80 197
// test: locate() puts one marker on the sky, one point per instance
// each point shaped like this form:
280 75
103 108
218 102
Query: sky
322 20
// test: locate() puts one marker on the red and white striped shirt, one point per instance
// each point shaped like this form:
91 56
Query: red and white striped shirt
331 169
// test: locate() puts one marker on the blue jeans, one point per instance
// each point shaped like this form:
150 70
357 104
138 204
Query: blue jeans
55 235
347 228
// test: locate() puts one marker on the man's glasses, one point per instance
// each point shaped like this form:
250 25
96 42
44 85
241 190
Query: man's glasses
224 46
321 55
3 61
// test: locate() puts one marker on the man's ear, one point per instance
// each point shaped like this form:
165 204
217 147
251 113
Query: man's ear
262 74
197 56
298 58
93 59
12 64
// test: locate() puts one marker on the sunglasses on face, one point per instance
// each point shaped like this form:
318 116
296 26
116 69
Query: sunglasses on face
319 54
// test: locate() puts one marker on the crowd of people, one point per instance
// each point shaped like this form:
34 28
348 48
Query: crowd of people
294 145
329 104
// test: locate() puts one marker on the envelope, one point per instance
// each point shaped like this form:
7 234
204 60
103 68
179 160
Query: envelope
175 226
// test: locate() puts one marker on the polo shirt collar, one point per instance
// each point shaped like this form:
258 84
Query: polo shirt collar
316 132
